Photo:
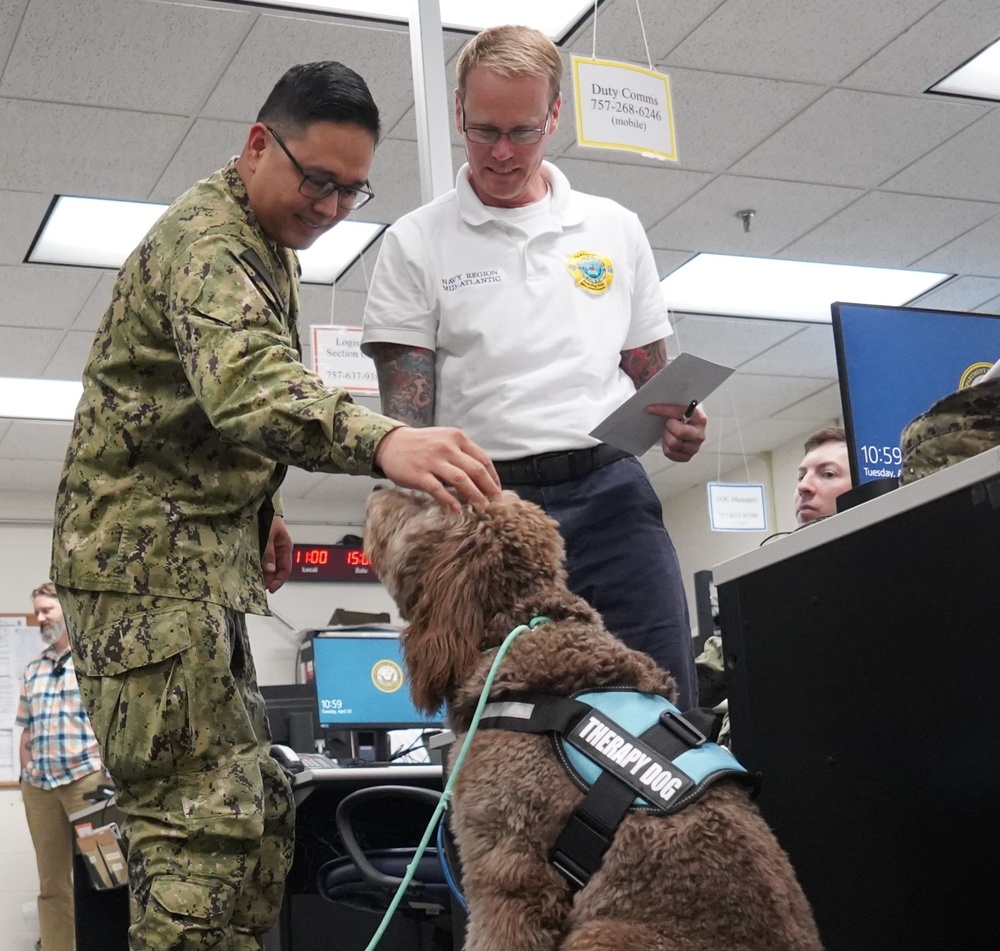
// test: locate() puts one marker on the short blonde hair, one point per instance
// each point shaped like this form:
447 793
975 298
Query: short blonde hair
511 51
47 590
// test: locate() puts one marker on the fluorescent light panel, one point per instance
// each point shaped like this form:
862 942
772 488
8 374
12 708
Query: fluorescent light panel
554 18
979 78
96 232
25 398
786 290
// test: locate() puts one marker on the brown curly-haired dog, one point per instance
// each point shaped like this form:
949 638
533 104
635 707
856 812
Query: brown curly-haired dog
711 877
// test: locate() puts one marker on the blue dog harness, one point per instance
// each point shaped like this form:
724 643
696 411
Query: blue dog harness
626 750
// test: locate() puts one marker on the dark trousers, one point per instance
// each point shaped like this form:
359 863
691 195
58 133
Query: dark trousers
621 560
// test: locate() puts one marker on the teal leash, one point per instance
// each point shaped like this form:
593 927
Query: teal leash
446 795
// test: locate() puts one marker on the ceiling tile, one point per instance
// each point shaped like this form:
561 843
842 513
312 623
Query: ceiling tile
277 42
649 192
38 476
889 230
69 359
620 32
990 307
731 341
89 316
856 139
810 352
21 214
33 295
809 40
784 210
154 57
960 294
11 14
669 261
26 351
80 150
938 43
395 178
824 404
975 252
719 118
747 397
963 167
318 305
208 145
29 440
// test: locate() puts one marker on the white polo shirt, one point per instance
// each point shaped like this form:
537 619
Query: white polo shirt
527 311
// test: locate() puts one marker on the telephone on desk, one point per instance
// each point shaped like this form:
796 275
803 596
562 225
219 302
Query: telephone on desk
293 762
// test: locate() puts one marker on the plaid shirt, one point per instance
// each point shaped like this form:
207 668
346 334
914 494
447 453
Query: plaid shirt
62 745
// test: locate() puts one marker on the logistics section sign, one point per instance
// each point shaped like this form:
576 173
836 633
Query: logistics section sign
337 357
625 107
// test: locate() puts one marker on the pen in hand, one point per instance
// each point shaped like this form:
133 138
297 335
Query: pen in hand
689 412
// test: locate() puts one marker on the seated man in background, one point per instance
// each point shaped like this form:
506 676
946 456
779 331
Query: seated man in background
824 474
60 765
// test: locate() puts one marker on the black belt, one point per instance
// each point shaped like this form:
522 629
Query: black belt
552 467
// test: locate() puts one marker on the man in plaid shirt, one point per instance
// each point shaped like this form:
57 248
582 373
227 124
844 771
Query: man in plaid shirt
60 765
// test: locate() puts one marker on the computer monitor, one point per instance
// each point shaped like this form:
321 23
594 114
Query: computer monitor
361 688
291 713
894 364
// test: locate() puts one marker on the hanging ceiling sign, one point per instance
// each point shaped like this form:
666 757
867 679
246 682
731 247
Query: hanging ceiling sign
338 359
625 107
737 507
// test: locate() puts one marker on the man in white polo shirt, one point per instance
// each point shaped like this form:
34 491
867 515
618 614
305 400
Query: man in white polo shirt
524 312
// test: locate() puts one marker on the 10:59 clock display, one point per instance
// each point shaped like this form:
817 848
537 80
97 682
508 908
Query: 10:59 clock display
882 455
336 563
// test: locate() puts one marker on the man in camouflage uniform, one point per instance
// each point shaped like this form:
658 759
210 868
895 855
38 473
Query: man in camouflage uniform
195 401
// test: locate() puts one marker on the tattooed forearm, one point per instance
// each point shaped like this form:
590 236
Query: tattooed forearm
642 363
405 382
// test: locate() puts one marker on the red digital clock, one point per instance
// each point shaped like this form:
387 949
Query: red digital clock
331 563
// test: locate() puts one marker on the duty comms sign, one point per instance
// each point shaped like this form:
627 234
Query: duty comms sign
625 107
338 359
737 507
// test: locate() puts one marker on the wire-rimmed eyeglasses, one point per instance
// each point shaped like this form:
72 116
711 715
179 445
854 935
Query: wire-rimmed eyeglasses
487 135
349 197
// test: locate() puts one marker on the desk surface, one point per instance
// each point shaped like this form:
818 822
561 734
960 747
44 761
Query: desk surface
904 499
368 774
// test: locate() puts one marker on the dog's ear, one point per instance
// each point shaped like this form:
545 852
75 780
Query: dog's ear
446 624
440 647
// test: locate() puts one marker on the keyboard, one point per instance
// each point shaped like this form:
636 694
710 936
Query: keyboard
317 761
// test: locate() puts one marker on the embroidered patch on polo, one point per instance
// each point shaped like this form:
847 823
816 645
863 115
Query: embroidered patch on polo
593 272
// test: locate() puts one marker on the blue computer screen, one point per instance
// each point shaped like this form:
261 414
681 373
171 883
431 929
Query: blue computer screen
894 364
361 682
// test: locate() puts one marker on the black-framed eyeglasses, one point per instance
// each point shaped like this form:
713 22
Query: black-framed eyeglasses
487 135
349 197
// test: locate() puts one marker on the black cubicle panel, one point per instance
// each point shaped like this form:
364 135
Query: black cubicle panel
864 681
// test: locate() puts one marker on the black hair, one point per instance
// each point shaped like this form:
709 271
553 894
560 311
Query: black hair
320 92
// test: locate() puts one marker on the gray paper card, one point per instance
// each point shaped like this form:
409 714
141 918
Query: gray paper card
684 379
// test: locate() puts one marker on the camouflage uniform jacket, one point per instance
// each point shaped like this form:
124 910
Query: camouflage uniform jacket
193 390
957 427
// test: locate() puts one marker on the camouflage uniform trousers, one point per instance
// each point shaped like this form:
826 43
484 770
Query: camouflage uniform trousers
171 691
